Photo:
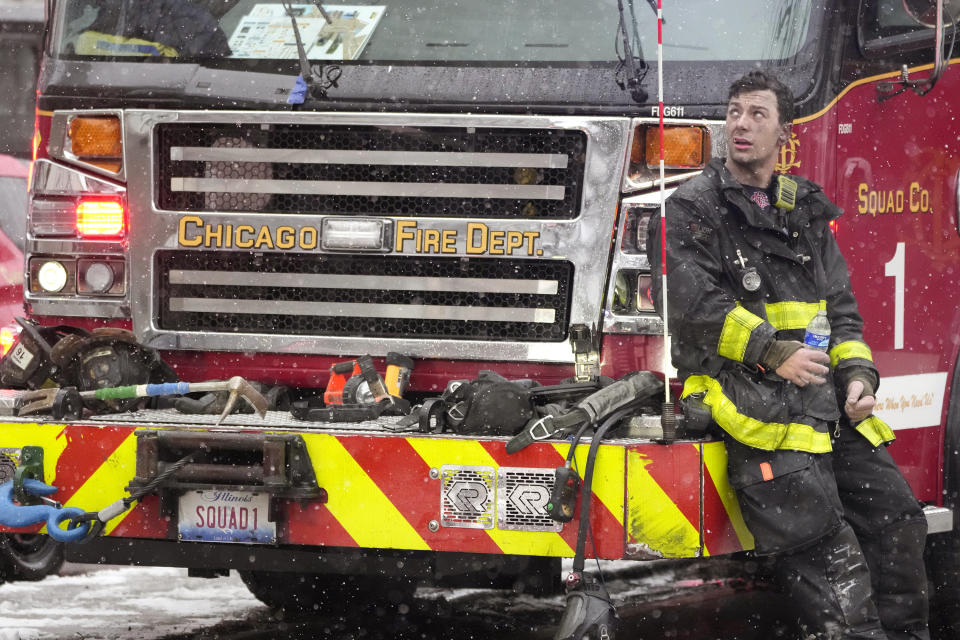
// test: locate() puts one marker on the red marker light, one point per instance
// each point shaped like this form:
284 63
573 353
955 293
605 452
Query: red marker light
8 337
100 218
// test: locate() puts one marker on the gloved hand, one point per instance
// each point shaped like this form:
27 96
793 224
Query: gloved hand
805 366
777 353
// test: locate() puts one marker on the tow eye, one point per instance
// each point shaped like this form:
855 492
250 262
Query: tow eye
34 507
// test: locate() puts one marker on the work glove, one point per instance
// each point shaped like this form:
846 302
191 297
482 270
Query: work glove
795 363
778 352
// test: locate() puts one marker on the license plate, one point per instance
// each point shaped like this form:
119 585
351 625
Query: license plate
226 516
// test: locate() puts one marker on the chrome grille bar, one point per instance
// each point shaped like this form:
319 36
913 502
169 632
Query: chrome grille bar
347 156
361 310
355 188
334 281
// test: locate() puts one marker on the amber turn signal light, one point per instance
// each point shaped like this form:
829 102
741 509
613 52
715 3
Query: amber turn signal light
686 148
97 140
683 147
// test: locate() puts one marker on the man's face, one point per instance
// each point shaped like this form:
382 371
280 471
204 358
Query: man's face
754 132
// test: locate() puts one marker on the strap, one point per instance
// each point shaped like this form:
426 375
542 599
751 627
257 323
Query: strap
546 427
568 391
431 414
428 417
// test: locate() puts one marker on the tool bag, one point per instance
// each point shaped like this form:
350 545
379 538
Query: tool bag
492 405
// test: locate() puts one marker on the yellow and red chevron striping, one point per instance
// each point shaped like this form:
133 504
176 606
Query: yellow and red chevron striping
85 451
680 503
663 497
607 505
404 477
671 468
648 499
723 528
440 452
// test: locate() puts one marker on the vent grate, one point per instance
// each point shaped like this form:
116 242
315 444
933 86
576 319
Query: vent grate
380 296
458 172
522 497
467 497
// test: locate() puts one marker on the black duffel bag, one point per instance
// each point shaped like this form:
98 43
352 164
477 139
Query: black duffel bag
491 405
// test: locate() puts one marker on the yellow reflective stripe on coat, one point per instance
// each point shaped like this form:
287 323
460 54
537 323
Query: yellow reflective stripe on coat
753 432
792 315
876 431
736 331
850 349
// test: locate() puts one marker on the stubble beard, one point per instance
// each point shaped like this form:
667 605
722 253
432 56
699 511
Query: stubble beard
748 162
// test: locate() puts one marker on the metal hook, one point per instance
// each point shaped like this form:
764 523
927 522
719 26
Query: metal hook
15 515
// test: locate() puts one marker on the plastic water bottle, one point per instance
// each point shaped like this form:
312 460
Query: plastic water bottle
818 332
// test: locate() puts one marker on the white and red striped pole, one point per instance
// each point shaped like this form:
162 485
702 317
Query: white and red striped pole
667 365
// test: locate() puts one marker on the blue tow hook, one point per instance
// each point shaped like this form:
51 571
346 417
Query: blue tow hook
15 515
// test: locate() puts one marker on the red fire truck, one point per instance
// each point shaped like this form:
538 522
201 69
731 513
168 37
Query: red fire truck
258 198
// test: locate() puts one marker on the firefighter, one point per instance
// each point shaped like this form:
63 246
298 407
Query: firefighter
750 260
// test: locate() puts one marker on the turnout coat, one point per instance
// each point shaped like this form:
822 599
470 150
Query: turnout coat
719 243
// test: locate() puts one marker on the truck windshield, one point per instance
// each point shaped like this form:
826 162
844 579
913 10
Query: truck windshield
554 32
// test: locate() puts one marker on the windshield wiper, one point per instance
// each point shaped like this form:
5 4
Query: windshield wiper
316 78
634 65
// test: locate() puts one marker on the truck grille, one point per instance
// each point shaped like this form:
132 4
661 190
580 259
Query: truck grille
459 172
379 296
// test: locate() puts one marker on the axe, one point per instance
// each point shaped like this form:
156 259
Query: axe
43 400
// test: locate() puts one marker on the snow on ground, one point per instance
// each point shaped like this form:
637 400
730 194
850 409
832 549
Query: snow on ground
120 603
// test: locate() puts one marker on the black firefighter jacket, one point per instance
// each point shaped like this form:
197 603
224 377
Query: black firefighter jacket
720 330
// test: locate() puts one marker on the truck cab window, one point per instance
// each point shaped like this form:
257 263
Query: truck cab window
885 26
433 31
166 28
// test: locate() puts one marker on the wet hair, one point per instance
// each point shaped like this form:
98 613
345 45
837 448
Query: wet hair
764 80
